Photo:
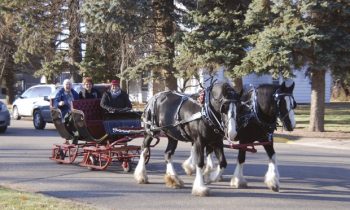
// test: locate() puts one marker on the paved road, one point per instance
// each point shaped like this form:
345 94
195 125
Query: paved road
313 176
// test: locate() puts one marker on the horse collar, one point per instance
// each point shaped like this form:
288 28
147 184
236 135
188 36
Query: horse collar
208 114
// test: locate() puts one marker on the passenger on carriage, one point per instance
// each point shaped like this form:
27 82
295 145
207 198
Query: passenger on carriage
64 97
89 91
115 99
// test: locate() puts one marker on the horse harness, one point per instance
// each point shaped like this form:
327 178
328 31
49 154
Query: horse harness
253 114
206 114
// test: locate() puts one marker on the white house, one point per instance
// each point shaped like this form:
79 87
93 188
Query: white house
141 91
302 89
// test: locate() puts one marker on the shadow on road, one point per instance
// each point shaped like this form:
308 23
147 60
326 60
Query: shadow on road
20 131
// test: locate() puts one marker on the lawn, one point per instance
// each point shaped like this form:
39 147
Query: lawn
12 199
337 117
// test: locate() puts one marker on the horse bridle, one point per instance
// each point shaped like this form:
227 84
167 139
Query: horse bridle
209 115
277 97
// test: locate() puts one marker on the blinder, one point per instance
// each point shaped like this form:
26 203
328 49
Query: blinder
278 96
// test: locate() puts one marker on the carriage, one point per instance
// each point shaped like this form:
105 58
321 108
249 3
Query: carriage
224 114
99 138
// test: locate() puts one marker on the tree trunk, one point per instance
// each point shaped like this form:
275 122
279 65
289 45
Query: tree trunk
317 100
75 55
123 42
9 79
164 46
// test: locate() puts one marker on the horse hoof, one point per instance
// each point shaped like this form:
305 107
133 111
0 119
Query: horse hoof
188 169
173 182
203 191
275 188
235 183
141 179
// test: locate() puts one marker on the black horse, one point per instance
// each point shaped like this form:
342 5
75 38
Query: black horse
257 121
182 118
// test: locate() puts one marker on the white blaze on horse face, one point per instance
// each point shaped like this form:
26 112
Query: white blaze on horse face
231 128
291 111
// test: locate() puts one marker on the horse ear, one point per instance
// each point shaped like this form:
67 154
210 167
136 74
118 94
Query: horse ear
292 86
288 86
283 85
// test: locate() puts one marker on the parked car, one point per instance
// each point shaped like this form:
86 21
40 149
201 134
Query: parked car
4 117
42 113
23 106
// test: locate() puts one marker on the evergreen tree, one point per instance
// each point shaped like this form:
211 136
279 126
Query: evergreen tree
75 49
7 48
290 34
114 36
216 36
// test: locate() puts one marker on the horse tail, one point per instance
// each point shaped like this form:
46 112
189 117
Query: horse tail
149 116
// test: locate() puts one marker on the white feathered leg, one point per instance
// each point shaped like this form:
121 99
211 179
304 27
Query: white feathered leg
272 175
216 175
140 173
209 166
238 180
171 178
198 187
188 165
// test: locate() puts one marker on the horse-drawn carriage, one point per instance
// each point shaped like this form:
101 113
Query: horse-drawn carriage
99 137
249 118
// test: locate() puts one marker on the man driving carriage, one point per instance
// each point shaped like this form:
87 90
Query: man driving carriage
115 99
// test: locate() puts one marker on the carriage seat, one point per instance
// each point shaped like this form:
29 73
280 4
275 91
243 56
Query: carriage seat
93 115
91 108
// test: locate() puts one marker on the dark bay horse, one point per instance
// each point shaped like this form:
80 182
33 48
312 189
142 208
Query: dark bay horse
182 118
257 121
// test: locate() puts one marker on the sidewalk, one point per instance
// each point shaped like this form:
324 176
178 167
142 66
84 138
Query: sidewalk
342 144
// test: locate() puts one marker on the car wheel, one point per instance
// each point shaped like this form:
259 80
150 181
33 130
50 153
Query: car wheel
15 113
3 129
38 120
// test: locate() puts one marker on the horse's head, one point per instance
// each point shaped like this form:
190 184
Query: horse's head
286 104
224 101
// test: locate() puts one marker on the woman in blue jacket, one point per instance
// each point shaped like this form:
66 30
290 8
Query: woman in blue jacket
64 97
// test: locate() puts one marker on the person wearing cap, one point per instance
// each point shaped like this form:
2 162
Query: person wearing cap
64 97
115 99
89 91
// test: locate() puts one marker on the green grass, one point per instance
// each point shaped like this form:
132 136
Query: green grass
16 200
337 117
